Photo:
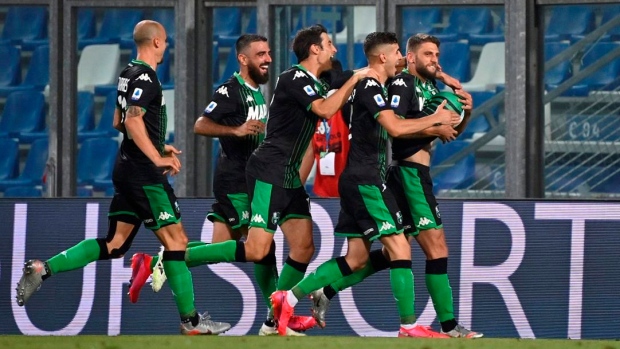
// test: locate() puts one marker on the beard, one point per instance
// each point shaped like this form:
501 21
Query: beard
257 76
425 73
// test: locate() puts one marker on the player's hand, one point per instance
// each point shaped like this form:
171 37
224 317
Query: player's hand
466 99
446 133
171 150
445 116
250 127
449 81
171 164
366 73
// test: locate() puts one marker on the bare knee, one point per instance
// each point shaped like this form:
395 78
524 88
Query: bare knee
302 253
356 262
255 251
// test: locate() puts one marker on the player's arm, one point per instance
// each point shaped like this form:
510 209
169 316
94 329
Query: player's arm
206 127
326 108
448 80
306 163
117 122
404 128
468 106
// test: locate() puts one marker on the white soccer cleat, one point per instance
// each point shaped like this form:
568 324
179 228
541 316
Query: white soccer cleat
158 277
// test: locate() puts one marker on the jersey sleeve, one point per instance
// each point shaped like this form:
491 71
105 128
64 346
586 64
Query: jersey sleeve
401 97
142 90
222 105
370 94
300 87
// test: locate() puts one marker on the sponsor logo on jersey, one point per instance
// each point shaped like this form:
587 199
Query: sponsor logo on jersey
370 82
257 112
379 99
137 93
399 82
210 107
424 221
164 216
223 90
122 84
386 226
299 74
144 77
309 90
395 101
258 219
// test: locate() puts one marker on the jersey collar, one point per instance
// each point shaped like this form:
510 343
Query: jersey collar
242 82
137 61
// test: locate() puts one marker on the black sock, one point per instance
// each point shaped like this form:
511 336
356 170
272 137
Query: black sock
48 273
270 323
329 292
449 325
194 319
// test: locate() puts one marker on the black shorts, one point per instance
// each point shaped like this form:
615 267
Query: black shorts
272 205
367 211
153 204
232 209
412 187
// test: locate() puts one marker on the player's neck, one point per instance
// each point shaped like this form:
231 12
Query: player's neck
246 77
415 73
311 67
148 59
380 69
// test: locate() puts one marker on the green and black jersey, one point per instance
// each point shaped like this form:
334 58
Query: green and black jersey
138 85
407 96
233 103
366 163
290 127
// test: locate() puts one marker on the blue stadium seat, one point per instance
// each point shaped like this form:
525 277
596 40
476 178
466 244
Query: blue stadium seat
609 13
216 62
104 127
38 74
86 28
252 21
96 159
10 66
33 171
595 127
495 35
22 191
165 16
419 20
232 65
455 60
569 178
359 59
15 32
24 112
480 124
464 21
312 14
561 72
116 24
226 25
568 21
84 192
9 162
459 175
109 191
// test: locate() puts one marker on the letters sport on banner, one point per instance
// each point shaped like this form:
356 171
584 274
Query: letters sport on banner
546 269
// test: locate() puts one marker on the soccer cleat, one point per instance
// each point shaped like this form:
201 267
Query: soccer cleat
205 326
266 330
301 323
158 277
282 311
31 280
320 304
140 272
419 331
462 332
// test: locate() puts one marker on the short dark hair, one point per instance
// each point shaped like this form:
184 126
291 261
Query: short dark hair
245 40
378 38
305 38
415 41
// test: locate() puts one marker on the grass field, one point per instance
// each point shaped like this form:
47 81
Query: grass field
251 342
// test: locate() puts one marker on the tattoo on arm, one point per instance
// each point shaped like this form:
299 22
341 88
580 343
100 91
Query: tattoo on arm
134 111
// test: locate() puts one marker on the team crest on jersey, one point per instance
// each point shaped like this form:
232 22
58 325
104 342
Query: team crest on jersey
299 74
144 77
370 82
223 90
137 93
379 100
309 90
399 82
210 107
395 101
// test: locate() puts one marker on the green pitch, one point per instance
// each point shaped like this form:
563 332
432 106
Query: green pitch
333 342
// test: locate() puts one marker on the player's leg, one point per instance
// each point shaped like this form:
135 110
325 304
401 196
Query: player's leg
122 228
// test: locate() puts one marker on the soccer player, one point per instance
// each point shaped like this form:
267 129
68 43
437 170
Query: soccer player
410 181
369 210
237 115
143 194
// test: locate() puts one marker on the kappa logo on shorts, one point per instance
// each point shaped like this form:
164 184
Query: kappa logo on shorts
386 226
258 219
164 216
424 221
245 215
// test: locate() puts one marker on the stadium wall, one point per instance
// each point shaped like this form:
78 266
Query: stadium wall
530 269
